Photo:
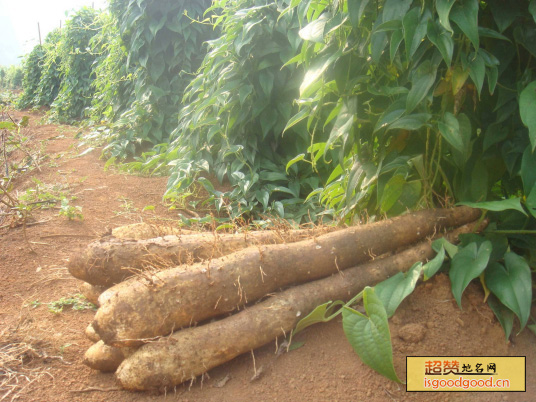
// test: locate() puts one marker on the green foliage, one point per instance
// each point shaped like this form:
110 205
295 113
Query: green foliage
369 334
76 66
77 302
163 42
11 77
418 103
235 112
50 80
113 84
32 76
71 212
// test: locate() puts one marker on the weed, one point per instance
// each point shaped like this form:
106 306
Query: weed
63 347
76 302
71 212
43 195
127 206
34 304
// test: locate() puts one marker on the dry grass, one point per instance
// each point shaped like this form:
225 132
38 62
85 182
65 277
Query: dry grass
22 361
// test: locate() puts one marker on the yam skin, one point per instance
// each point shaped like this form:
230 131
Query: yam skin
109 261
141 309
105 358
193 351
142 231
91 292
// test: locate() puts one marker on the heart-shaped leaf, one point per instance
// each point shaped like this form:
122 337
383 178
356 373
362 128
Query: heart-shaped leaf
394 290
423 79
512 285
431 267
443 8
369 335
465 15
322 313
467 265
503 314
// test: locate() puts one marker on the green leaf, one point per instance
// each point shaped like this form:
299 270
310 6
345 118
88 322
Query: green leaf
355 10
493 76
528 170
513 285
266 79
442 40
7 125
465 15
294 160
314 31
504 13
450 130
396 40
392 192
477 72
412 122
532 9
503 314
431 267
531 201
451 249
527 110
394 290
497 206
389 26
369 336
302 114
443 8
263 197
317 69
395 9
394 111
467 265
423 79
415 26
490 33
343 123
322 313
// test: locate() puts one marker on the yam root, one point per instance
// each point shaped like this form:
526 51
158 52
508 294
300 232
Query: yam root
91 292
105 358
193 351
91 334
141 309
142 231
109 261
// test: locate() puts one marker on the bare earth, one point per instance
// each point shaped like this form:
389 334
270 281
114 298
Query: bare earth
324 369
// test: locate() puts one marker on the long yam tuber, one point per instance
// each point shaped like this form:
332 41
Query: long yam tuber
141 309
109 261
193 351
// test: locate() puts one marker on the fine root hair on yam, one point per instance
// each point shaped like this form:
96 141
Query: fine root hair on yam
108 261
105 358
139 310
191 352
143 231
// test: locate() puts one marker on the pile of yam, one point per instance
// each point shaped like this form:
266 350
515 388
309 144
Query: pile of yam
174 304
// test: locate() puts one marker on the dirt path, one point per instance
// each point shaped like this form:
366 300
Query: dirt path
324 369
